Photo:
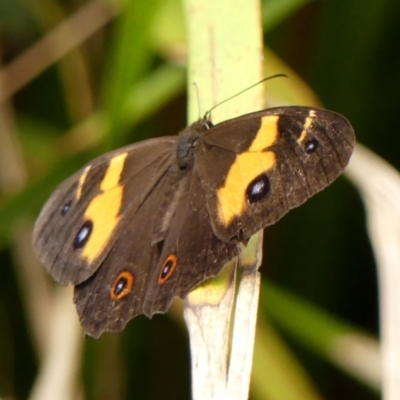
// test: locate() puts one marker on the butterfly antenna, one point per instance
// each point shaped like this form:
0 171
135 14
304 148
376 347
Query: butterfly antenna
198 98
244 90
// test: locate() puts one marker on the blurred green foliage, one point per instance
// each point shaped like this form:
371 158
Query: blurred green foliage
133 69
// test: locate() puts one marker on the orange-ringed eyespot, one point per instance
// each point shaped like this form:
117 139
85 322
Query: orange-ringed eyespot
168 268
122 286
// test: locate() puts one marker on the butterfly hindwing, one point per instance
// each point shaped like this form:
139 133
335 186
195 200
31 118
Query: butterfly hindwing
145 271
191 252
115 293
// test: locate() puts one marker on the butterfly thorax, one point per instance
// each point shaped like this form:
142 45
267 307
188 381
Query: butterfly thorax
187 142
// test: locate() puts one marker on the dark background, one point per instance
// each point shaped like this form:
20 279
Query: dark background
347 51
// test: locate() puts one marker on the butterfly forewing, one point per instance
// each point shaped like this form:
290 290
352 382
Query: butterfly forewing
80 222
270 162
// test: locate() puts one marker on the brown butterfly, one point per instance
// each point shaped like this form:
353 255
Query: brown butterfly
145 223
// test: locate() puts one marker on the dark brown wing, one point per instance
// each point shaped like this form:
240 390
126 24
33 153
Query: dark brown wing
257 167
82 220
167 250
191 252
115 293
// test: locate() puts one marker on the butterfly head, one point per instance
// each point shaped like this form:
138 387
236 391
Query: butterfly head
187 142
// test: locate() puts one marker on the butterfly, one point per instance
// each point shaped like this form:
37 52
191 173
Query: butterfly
150 221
